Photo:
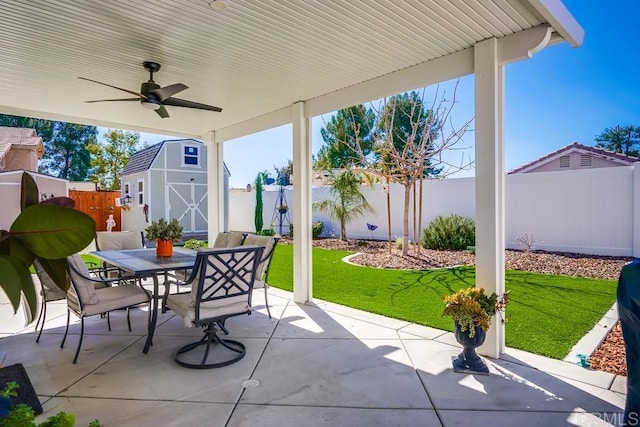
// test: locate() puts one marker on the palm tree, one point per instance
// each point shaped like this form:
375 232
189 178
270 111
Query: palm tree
347 202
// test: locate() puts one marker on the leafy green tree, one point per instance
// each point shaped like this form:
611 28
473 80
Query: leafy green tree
346 136
621 139
109 158
406 119
348 201
66 155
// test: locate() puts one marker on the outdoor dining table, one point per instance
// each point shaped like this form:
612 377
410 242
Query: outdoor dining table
144 263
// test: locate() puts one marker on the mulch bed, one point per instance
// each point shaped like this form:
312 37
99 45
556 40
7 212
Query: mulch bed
609 356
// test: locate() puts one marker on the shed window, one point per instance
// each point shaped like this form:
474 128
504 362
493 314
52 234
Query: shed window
126 191
585 160
191 156
565 161
141 193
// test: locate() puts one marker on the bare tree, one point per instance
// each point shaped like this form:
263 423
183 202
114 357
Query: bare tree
406 146
412 151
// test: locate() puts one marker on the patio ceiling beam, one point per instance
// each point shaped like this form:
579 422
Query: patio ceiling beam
556 14
257 124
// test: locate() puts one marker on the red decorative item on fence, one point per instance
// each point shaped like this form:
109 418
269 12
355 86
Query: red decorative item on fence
164 248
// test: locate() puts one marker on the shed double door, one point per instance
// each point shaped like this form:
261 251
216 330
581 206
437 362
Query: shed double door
98 205
187 201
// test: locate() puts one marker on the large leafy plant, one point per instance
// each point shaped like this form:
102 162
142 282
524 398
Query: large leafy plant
49 230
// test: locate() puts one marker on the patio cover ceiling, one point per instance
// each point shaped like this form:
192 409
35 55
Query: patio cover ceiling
252 58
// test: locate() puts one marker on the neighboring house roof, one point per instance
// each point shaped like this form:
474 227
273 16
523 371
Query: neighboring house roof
621 159
143 159
11 137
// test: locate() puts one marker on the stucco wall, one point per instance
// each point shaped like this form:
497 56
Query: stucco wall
10 193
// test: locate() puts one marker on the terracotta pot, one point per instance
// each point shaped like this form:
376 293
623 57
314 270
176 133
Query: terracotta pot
164 248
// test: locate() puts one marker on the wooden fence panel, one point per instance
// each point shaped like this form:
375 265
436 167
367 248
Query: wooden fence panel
98 205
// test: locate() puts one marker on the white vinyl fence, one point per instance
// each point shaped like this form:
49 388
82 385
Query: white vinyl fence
593 211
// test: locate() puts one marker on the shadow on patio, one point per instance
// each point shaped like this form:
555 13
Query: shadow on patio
321 364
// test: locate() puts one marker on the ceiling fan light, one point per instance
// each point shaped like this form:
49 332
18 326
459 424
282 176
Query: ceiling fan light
150 105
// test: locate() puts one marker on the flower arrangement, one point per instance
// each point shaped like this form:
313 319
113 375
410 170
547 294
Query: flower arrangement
163 230
472 307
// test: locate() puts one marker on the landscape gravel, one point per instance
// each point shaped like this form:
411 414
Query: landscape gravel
609 356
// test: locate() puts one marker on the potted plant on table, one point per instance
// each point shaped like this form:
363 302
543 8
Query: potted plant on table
472 310
164 233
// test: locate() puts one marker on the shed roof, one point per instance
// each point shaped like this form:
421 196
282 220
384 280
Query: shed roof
143 159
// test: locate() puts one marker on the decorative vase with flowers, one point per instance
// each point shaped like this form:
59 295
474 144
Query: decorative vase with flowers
472 310
164 233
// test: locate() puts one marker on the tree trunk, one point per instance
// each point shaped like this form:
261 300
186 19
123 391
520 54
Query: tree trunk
389 214
420 215
405 220
343 231
415 218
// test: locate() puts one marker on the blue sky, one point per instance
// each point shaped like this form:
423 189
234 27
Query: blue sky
561 95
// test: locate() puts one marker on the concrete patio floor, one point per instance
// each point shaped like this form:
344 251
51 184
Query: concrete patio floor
311 365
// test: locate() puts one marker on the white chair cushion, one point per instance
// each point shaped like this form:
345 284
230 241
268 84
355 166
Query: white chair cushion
267 243
228 240
85 288
182 305
48 288
118 240
116 297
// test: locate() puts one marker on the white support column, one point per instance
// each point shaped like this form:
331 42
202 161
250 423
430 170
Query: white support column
489 153
636 209
302 271
215 186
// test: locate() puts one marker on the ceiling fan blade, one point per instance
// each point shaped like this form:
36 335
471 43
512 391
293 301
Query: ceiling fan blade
162 112
168 91
107 100
115 87
175 102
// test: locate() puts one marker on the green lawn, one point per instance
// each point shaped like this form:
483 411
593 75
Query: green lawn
546 315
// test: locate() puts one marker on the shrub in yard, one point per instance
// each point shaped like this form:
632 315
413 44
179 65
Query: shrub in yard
267 232
452 232
194 244
316 228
